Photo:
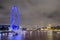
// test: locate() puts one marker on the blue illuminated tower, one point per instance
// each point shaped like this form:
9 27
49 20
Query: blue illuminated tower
12 18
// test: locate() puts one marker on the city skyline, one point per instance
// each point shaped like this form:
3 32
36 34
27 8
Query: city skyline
40 12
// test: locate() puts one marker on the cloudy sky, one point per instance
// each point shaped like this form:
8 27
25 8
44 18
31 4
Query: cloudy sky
33 12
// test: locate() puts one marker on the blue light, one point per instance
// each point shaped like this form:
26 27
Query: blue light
12 18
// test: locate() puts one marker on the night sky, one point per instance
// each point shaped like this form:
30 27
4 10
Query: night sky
33 12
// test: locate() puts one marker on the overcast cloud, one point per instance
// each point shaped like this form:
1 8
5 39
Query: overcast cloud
40 12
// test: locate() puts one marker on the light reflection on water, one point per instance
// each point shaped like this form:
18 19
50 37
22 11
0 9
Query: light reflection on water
20 36
12 36
32 35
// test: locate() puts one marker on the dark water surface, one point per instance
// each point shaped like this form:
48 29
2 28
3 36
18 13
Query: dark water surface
32 35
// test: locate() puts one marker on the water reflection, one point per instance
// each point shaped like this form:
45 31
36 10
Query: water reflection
12 36
32 35
4 36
